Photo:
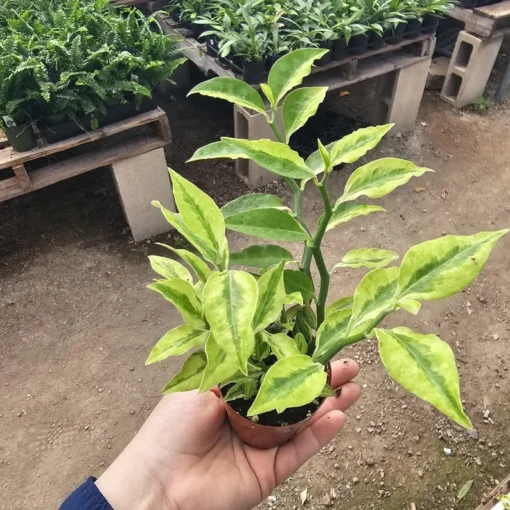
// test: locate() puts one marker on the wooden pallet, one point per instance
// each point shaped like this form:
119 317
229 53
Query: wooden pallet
493 498
404 53
487 21
55 162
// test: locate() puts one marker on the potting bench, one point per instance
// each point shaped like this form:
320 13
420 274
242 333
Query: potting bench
400 71
475 52
132 148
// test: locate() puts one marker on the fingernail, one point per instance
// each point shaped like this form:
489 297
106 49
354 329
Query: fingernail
338 392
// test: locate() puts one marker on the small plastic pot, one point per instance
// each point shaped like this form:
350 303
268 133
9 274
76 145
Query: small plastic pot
325 59
397 35
339 49
413 29
430 24
265 436
271 60
375 41
197 30
253 72
22 138
358 44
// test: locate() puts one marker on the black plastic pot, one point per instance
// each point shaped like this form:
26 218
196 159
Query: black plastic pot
396 36
358 44
211 45
375 41
22 138
413 29
430 23
125 111
325 59
253 72
271 60
339 49
68 129
197 30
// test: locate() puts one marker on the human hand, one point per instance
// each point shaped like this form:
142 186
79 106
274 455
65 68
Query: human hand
186 456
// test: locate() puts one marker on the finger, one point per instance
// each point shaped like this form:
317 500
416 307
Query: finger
350 393
342 371
292 455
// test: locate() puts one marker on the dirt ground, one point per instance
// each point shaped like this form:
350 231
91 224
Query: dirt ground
76 324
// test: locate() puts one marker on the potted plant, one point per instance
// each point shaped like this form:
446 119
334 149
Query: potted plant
265 336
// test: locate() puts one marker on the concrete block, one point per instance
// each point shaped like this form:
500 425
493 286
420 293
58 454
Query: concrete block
470 67
253 126
140 180
437 73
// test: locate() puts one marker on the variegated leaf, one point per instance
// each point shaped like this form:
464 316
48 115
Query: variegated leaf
332 334
169 268
271 297
283 345
220 365
297 281
441 267
176 342
265 255
409 305
232 90
251 202
425 366
230 301
221 149
301 343
294 298
339 304
367 257
190 375
262 348
245 389
288 71
201 269
291 382
380 177
299 106
342 213
374 295
201 215
183 296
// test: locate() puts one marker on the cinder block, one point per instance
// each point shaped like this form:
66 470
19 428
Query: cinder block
470 67
437 73
140 180
253 126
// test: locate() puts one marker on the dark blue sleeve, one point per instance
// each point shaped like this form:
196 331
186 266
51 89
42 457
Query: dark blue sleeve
86 497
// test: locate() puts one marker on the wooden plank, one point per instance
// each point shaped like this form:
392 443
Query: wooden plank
3 141
163 130
477 25
80 164
9 157
128 3
22 176
495 11
502 488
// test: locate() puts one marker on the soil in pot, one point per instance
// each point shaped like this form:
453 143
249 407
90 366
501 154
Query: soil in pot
22 137
339 49
413 29
325 59
396 36
253 72
375 41
430 24
358 44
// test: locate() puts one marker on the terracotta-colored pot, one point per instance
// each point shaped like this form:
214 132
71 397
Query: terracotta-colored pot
266 436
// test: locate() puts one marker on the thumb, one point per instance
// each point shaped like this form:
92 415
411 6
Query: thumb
292 455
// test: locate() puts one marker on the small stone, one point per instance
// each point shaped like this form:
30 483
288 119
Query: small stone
337 466
132 411
355 480
473 434
449 452
420 473
478 461
404 406
325 500
486 413
358 430
369 462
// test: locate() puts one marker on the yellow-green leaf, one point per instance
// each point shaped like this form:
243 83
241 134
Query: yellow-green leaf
332 334
266 89
294 298
176 342
344 212
288 71
425 366
261 256
441 267
183 296
380 177
190 376
367 257
299 106
220 366
273 224
276 157
374 295
291 382
409 305
201 269
271 296
244 389
232 90
297 281
229 301
464 490
221 149
201 215
283 345
169 268
251 202
301 343
339 304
